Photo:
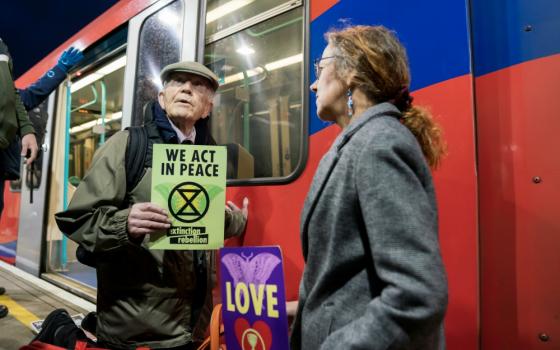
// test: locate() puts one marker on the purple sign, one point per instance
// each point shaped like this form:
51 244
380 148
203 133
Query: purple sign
253 298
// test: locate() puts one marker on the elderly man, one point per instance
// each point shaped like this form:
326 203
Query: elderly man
154 298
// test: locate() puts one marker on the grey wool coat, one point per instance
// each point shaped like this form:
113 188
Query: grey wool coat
374 277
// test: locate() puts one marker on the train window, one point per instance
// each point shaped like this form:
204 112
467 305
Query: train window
223 14
95 114
159 45
258 110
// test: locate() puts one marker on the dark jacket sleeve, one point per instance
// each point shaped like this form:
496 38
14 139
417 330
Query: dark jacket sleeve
8 122
97 215
33 95
400 216
25 125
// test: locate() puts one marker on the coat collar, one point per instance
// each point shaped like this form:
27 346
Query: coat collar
163 124
382 109
153 113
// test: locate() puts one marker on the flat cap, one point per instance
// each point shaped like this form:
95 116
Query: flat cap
193 68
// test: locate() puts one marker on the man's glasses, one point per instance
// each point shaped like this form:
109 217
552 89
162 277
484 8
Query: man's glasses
318 68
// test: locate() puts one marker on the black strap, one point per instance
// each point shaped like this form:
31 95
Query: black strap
135 156
32 171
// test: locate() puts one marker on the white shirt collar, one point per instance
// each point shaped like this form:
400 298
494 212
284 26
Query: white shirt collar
182 137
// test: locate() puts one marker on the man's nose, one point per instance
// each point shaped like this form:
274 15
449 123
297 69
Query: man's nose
187 87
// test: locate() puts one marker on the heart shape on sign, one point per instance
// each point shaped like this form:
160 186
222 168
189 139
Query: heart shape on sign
255 337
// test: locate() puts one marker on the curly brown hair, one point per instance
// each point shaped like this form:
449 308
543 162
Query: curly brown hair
380 64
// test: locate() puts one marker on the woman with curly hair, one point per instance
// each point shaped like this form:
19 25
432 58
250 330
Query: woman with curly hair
374 277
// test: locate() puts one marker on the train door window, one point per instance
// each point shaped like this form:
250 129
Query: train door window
258 111
93 116
224 14
159 45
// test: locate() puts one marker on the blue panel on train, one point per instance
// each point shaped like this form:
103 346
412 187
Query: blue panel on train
510 32
435 34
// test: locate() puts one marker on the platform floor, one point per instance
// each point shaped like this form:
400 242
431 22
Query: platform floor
30 299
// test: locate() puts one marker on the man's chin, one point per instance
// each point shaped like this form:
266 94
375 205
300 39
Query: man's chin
180 116
180 112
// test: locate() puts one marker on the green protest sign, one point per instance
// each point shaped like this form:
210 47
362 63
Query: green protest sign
189 182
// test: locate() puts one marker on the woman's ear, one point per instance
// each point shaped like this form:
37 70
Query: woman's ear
350 80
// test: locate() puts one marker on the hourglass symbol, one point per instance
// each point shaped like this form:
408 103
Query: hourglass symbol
254 339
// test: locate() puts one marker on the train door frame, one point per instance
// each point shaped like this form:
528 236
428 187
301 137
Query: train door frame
30 239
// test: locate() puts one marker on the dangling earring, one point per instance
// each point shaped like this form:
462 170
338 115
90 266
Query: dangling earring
350 103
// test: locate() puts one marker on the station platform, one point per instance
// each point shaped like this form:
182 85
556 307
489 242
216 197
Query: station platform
30 299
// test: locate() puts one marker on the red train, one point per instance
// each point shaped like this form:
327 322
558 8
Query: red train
486 70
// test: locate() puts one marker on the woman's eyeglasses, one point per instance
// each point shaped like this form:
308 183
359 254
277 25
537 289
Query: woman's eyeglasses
318 68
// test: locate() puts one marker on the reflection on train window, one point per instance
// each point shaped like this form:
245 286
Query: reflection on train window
95 115
159 45
222 14
258 108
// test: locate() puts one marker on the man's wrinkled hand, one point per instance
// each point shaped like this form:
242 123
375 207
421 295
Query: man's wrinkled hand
234 208
29 143
237 218
146 218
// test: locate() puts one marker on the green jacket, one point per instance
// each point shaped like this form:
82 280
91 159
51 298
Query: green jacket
13 116
144 297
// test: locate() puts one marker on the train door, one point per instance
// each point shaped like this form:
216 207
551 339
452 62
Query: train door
32 186
89 111
102 98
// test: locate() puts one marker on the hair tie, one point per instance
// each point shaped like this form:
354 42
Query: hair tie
403 99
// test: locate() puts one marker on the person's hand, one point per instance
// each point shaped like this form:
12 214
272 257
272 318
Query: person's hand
145 218
234 208
29 143
291 308
70 58
236 218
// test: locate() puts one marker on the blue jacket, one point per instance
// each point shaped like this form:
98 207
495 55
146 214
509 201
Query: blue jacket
33 95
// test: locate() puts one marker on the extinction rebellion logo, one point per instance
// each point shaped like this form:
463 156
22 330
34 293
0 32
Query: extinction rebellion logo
188 202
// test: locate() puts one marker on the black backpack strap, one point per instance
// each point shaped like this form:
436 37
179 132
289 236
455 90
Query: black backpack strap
135 156
138 154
